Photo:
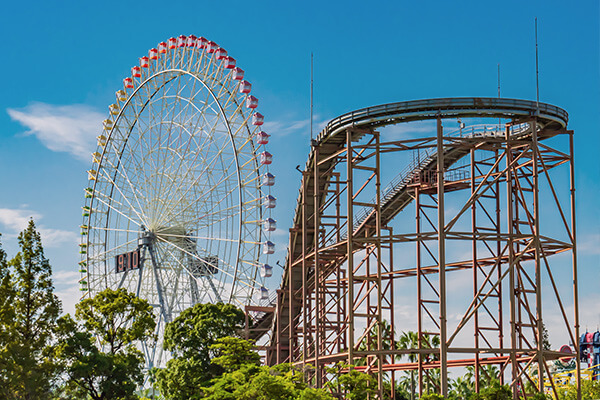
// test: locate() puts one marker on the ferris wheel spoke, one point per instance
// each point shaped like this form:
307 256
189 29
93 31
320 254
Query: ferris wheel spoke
210 286
187 252
209 166
110 206
112 251
205 193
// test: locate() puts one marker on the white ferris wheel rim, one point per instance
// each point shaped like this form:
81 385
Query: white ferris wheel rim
166 241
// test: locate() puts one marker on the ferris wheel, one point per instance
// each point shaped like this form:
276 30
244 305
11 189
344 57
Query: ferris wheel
178 205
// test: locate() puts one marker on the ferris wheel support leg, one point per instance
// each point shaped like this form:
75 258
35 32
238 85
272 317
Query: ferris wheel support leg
214 289
139 284
161 298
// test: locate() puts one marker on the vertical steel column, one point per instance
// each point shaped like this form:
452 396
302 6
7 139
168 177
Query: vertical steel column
574 258
512 295
475 267
318 305
305 297
442 259
291 294
419 298
538 264
379 263
349 245
499 269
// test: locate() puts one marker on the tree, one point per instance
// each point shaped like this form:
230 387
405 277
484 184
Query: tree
234 353
494 391
461 388
190 337
97 350
29 310
410 340
7 313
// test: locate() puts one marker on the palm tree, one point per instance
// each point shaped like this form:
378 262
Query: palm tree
410 340
462 387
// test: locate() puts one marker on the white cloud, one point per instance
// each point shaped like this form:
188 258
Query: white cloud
65 277
69 128
284 128
588 244
69 296
16 220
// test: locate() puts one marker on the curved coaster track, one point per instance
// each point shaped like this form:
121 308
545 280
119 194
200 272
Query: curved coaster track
364 222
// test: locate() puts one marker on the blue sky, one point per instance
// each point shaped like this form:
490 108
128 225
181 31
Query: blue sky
63 61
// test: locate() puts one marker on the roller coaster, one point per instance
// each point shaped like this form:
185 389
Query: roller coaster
382 219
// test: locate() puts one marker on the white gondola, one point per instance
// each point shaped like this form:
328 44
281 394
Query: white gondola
128 83
268 247
136 72
262 138
181 41
251 102
258 119
229 62
245 87
201 43
191 41
121 95
172 43
264 293
162 47
144 62
266 271
268 179
101 140
153 54
266 158
220 53
269 202
238 74
211 47
269 225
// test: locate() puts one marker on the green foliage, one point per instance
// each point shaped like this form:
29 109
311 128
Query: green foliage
263 383
352 383
197 328
589 390
314 394
190 337
97 351
234 353
29 310
495 391
540 396
461 387
432 396
357 385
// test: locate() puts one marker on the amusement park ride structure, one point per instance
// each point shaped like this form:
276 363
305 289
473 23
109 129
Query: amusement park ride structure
180 180
353 251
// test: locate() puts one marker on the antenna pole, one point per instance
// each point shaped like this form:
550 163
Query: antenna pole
537 81
499 120
311 97
498 80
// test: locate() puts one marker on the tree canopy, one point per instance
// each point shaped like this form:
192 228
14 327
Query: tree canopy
29 310
97 349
